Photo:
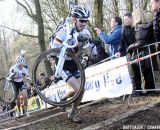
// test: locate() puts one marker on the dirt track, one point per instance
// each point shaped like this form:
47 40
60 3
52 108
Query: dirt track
96 113
148 119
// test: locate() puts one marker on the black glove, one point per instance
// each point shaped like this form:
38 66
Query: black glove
82 39
73 50
131 48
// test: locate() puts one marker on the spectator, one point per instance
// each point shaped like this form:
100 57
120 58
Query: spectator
144 36
43 80
12 106
113 38
155 7
127 35
127 38
33 91
4 108
22 103
29 89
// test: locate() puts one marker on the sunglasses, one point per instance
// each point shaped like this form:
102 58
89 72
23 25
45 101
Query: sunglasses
83 21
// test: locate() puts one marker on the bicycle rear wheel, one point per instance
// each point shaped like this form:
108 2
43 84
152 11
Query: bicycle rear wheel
7 91
52 92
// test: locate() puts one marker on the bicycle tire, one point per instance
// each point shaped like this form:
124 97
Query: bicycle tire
8 96
41 57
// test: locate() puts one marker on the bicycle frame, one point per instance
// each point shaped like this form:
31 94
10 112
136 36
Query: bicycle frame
6 85
65 45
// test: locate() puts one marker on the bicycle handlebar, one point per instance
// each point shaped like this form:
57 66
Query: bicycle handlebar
75 35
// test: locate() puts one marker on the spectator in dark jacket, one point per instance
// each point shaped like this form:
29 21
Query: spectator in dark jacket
144 36
12 106
127 35
113 38
155 7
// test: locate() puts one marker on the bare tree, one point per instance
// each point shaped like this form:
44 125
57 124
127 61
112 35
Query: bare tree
115 7
4 50
53 11
144 5
98 12
28 9
76 1
40 26
129 4
20 33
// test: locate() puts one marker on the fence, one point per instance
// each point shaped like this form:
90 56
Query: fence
155 71
7 114
138 60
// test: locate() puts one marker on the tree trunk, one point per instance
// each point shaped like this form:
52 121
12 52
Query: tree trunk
41 33
129 4
145 3
3 46
40 26
115 7
76 1
98 16
98 13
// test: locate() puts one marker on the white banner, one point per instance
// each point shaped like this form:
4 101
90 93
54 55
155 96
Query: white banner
103 80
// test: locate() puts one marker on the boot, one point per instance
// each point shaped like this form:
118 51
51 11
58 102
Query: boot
72 115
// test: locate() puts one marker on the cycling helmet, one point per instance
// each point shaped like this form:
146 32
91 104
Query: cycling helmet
80 12
20 60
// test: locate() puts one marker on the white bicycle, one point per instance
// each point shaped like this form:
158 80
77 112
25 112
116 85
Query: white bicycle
53 91
8 90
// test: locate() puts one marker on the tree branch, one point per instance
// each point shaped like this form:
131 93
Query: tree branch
31 11
20 33
30 14
145 5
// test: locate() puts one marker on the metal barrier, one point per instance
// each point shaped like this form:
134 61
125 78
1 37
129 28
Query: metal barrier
7 114
138 60
150 55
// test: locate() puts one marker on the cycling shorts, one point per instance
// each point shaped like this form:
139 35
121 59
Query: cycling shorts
71 70
19 86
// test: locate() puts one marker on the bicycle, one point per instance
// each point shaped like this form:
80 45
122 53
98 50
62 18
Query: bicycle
55 86
7 90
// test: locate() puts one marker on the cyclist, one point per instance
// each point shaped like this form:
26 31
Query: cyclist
17 74
79 18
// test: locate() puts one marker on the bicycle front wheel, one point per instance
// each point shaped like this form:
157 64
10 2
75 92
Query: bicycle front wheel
7 91
53 91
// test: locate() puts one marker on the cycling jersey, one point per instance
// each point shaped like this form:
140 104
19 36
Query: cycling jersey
69 68
62 35
17 74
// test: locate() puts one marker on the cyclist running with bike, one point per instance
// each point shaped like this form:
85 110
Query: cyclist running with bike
17 74
79 17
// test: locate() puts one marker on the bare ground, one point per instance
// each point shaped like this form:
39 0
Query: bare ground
148 119
93 114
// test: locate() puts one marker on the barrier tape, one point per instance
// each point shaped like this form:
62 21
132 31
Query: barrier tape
127 63
117 67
